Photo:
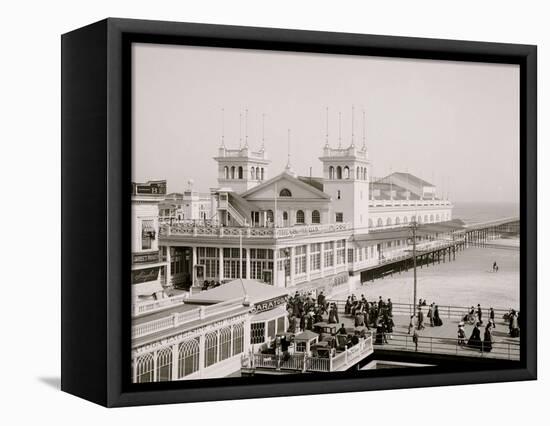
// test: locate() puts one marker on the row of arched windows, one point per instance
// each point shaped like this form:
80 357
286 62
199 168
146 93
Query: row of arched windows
300 216
405 220
219 345
339 172
256 173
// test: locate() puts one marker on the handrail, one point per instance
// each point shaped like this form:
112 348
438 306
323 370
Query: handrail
451 346
445 311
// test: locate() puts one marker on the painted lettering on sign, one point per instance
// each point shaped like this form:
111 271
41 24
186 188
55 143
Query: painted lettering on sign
269 304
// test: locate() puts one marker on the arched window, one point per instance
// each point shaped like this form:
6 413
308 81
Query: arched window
346 172
419 219
437 218
285 193
405 220
164 365
431 218
226 172
358 175
364 173
232 172
225 343
240 172
388 221
211 348
285 216
315 216
331 172
270 216
238 338
300 217
188 357
338 172
144 366
338 194
379 223
370 223
397 220
252 174
262 174
425 218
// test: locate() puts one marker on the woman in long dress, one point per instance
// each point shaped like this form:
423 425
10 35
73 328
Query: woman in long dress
437 318
475 338
487 339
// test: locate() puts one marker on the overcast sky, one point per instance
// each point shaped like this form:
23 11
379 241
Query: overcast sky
453 123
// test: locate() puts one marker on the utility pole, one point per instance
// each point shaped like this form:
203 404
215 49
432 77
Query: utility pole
414 227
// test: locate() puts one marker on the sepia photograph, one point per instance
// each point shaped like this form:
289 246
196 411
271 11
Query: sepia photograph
307 213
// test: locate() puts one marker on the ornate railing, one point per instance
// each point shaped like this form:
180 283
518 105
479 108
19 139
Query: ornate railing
301 362
408 203
190 229
179 318
150 306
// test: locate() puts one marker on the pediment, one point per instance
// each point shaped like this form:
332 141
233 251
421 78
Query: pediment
299 190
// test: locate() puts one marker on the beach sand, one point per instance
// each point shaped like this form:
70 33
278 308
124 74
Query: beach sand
467 281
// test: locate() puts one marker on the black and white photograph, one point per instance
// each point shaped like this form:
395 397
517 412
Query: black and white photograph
299 213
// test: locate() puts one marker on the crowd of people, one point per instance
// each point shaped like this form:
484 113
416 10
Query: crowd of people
305 310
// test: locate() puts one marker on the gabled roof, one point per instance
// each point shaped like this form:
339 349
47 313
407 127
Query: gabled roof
286 176
255 290
410 178
316 182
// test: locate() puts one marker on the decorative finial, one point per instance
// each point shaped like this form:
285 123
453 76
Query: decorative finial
364 148
223 128
326 132
352 126
246 128
339 130
288 165
240 130
263 133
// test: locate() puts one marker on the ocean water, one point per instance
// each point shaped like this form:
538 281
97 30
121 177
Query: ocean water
471 212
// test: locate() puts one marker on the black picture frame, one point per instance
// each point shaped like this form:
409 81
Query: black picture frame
96 207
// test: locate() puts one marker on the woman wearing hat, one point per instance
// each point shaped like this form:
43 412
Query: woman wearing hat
461 334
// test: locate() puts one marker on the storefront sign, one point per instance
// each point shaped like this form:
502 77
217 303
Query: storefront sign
269 304
145 275
138 258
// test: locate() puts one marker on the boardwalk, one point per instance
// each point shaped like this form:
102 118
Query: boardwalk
442 340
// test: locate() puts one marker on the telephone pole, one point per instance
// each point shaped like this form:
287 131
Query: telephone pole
414 227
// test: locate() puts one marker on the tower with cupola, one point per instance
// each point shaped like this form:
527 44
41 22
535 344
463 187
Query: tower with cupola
346 180
243 168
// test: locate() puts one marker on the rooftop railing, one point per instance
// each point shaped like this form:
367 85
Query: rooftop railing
177 319
409 203
194 229
150 306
